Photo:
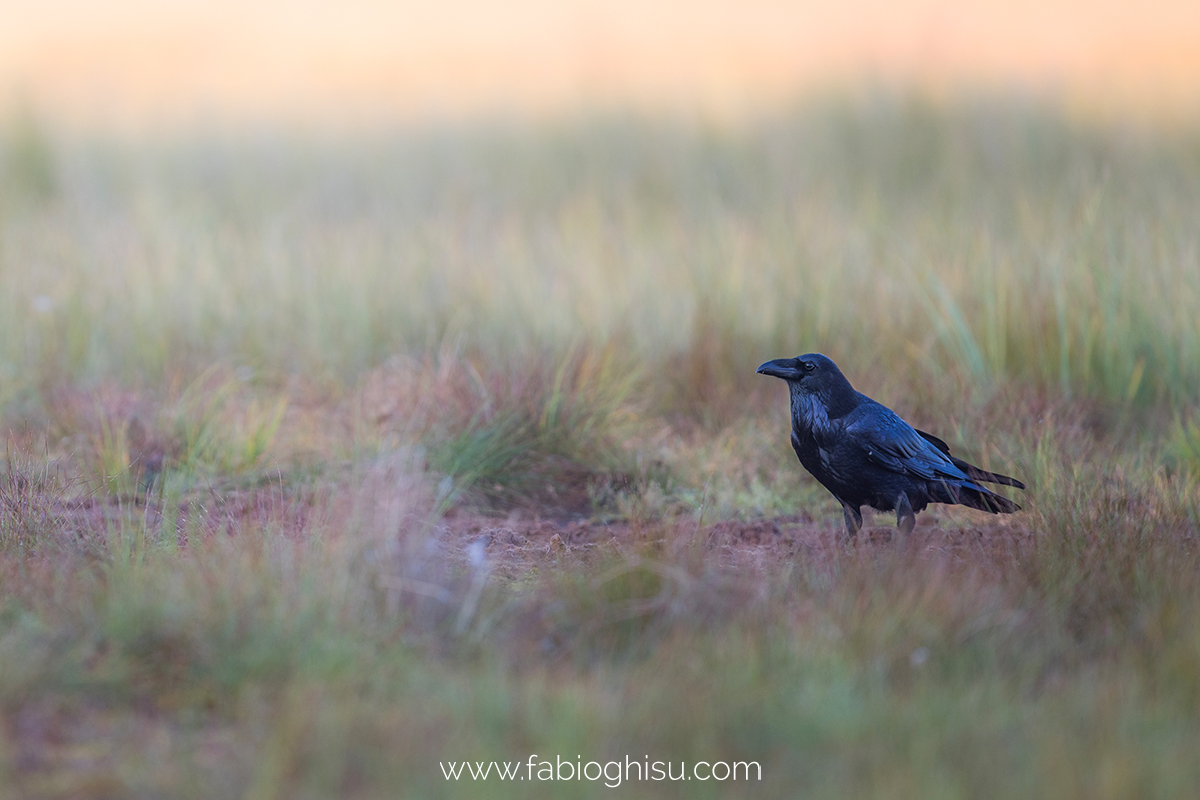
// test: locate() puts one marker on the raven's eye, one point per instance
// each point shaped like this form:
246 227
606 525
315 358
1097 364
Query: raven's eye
808 366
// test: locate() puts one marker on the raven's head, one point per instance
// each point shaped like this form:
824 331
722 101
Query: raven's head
814 374
811 371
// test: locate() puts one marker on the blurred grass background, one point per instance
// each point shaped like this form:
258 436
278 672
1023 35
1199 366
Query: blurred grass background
257 388
998 242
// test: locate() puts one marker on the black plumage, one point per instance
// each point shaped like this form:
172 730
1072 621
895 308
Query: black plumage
865 455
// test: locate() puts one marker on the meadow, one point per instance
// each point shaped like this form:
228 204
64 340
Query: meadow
331 459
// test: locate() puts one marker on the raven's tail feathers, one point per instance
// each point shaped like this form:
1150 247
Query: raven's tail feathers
973 472
972 496
977 474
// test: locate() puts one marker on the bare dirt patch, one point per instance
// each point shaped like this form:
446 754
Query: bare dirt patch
520 541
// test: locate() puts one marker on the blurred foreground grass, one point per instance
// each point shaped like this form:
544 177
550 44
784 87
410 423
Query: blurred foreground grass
329 461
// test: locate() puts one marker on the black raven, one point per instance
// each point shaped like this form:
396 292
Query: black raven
865 454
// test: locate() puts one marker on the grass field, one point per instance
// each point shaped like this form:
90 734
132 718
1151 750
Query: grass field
330 461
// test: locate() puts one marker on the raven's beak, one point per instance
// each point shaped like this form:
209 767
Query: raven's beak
780 368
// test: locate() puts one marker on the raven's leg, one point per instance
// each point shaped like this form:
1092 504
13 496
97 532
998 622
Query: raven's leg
906 518
853 518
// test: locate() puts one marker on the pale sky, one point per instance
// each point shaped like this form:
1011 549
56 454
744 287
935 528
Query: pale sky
169 61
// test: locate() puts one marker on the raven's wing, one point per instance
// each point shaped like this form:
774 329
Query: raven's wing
933 440
896 446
